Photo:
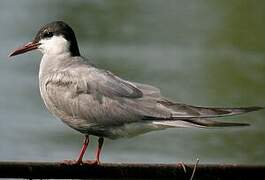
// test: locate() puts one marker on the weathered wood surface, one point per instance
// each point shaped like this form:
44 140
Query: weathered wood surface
57 170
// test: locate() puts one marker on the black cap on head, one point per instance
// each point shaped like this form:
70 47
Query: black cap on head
59 28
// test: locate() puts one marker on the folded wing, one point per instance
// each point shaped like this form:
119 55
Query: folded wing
126 102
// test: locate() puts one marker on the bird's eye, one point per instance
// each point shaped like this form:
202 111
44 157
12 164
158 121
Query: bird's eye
48 34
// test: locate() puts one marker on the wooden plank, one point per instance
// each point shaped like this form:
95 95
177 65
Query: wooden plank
57 170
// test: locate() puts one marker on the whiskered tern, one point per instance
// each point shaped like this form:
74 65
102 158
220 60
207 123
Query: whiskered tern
96 102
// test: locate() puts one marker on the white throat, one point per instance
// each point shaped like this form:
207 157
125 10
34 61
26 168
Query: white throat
56 45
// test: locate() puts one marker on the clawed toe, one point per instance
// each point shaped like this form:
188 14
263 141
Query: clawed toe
92 162
71 162
75 162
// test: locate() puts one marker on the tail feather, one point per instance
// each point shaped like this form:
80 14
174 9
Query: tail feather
187 111
202 123
206 112
194 116
212 123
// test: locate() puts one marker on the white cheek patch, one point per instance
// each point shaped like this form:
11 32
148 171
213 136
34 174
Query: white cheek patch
55 45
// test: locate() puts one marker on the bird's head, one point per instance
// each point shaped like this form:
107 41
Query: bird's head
54 38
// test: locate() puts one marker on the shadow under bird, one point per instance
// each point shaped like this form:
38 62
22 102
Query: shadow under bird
96 102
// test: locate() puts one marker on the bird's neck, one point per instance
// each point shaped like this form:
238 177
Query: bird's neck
51 63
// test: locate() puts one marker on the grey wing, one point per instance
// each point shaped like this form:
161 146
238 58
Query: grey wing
188 111
110 85
194 116
182 111
166 112
148 90
121 101
88 95
183 115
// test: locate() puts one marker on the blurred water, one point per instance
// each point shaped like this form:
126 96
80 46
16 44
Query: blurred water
199 52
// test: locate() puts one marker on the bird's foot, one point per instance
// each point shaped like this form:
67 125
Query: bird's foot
72 162
92 162
76 162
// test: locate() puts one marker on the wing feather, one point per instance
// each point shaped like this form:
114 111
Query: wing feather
106 96
187 111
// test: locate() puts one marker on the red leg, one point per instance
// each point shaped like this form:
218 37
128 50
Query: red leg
83 150
100 144
81 154
97 161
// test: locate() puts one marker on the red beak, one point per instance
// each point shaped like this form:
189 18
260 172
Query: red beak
28 47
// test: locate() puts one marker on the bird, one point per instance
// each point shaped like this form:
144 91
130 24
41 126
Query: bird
96 102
